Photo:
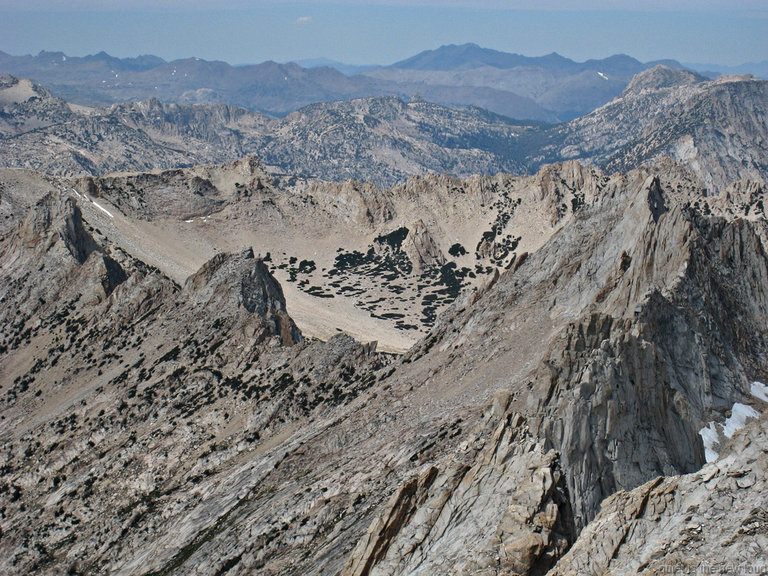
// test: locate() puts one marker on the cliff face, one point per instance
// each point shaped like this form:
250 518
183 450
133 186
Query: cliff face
674 335
712 519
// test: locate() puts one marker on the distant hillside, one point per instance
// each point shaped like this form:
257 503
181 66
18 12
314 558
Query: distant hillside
470 56
546 89
759 69
717 129
560 85
379 140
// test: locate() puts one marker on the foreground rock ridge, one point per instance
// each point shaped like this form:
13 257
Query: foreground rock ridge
713 519
161 422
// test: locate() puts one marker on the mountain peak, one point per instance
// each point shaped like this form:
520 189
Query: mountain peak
460 56
238 284
662 76
15 90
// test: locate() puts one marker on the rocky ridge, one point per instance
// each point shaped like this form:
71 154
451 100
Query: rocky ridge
220 441
382 263
386 262
715 128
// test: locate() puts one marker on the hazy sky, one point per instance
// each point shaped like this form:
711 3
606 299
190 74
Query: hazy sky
383 31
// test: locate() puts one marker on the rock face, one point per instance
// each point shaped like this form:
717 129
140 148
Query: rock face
162 427
423 528
682 337
734 109
56 218
714 519
715 128
53 235
226 282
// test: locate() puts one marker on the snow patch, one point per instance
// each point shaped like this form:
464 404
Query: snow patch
189 221
602 75
712 434
107 212
738 419
76 193
759 391
709 437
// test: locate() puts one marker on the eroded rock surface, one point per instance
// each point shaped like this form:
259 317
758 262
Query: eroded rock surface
713 519
155 427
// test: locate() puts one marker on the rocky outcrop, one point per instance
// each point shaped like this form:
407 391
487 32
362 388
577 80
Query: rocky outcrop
57 218
713 519
421 248
53 236
661 76
218 362
502 483
227 283
707 131
354 203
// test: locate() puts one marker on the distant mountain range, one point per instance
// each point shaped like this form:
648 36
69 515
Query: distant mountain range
471 56
549 88
663 112
759 69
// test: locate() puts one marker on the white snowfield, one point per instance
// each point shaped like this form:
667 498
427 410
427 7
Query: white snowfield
740 413
100 207
710 437
107 212
759 391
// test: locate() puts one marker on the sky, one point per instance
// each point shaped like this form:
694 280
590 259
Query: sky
384 31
